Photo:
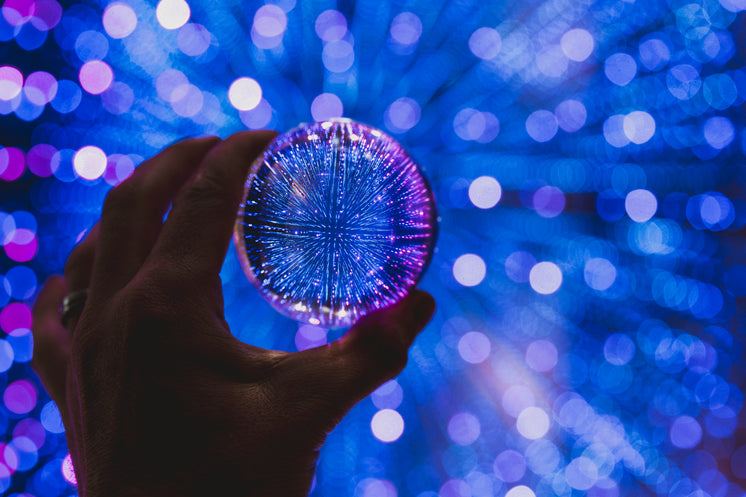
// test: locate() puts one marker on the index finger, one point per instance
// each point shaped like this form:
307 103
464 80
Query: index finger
197 232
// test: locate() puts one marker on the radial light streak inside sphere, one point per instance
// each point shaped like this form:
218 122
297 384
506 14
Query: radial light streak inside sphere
337 220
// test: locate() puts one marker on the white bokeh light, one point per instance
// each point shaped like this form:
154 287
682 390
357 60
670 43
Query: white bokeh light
469 269
245 93
387 425
172 14
640 205
545 278
89 162
485 192
474 347
520 491
119 20
638 126
577 44
532 423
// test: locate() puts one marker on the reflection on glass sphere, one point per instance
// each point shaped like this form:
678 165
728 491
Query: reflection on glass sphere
336 220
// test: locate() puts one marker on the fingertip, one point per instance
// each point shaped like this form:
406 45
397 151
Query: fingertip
385 335
251 143
423 306
411 314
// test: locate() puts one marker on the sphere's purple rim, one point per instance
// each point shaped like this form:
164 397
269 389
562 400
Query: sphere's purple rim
238 234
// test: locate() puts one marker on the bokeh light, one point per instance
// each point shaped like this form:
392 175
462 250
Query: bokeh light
95 77
485 192
577 44
119 20
244 93
587 162
469 269
387 425
172 14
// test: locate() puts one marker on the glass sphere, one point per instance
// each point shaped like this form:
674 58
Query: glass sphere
337 220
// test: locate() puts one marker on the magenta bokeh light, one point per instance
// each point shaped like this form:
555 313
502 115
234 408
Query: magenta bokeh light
12 163
96 76
22 246
17 12
20 397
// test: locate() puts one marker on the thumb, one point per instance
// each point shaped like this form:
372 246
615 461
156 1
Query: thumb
335 377
51 339
375 350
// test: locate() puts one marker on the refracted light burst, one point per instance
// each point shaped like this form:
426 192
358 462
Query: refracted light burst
587 157
336 220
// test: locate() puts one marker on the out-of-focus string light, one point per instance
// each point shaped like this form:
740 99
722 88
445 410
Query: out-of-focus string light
245 93
89 162
545 277
577 44
469 270
172 14
95 77
326 106
485 192
119 20
387 425
11 82
402 115
485 43
331 25
605 139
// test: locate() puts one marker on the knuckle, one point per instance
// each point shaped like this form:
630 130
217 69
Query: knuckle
205 187
142 312
206 192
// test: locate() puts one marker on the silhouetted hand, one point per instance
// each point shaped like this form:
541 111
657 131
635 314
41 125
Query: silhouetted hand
158 398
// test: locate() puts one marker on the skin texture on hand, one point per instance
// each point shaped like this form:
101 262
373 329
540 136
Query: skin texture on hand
157 396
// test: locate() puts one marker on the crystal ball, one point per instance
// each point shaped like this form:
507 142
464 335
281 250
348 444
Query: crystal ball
336 220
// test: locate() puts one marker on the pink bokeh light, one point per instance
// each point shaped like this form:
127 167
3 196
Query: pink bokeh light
68 471
96 76
118 168
20 397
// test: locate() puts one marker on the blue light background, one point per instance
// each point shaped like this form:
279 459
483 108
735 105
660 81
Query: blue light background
587 158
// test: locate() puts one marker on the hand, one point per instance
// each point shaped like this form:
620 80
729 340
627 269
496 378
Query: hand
157 396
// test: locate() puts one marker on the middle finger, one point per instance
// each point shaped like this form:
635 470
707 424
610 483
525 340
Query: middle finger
133 212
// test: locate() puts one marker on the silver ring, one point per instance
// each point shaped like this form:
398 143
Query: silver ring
72 305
